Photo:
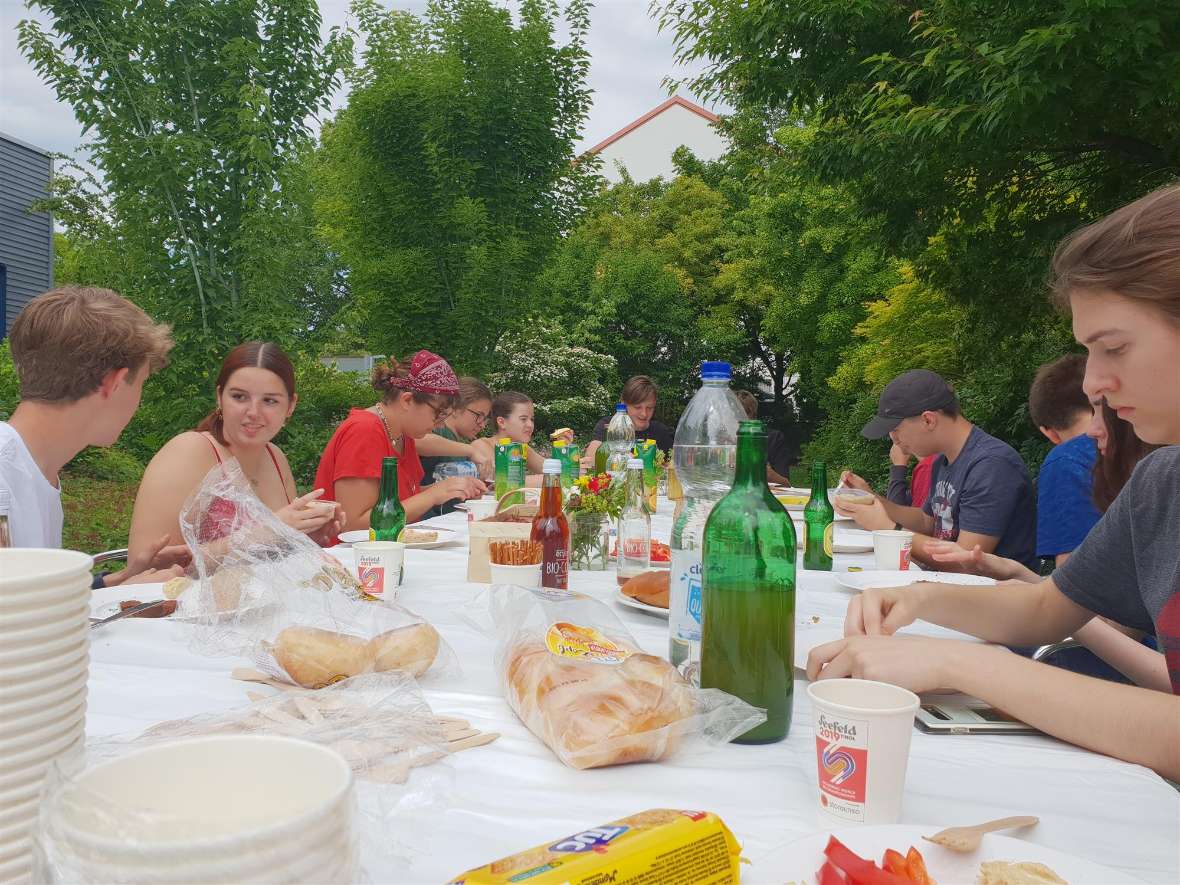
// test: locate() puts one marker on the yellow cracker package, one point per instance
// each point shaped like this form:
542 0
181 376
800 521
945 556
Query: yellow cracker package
660 846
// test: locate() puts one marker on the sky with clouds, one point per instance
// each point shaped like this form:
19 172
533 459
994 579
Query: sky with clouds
630 58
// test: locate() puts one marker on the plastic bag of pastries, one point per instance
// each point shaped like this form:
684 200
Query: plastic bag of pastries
267 591
579 681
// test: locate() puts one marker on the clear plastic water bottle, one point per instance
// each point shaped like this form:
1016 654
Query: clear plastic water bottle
620 437
705 455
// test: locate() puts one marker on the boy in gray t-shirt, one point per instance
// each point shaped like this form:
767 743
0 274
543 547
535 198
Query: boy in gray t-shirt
1128 568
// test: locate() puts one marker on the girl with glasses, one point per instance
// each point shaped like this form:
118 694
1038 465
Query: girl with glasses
416 396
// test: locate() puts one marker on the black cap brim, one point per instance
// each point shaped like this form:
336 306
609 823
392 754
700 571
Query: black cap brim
880 427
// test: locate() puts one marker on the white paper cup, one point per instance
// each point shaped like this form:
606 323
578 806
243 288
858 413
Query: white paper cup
891 549
379 566
862 745
520 575
480 508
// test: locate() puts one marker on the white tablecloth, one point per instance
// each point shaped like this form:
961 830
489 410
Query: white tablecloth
514 794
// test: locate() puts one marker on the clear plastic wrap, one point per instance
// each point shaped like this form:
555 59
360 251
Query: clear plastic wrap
379 723
268 592
578 680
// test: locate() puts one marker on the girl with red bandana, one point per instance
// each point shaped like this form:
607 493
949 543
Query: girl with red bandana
416 397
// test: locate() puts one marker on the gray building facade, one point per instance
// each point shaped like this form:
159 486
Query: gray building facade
26 239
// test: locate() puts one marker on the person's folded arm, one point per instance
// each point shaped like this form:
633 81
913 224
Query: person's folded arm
1142 665
1010 613
1134 724
913 518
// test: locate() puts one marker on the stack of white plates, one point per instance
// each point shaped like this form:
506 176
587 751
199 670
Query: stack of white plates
226 808
44 651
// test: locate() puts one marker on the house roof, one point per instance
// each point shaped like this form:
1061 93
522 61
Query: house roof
655 112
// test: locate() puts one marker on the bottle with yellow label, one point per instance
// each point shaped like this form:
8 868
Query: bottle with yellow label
819 517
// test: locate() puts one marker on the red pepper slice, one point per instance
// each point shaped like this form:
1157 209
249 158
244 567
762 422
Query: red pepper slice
916 868
829 875
894 862
858 870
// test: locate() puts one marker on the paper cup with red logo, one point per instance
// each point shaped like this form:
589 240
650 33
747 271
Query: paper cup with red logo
862 744
480 508
379 566
891 549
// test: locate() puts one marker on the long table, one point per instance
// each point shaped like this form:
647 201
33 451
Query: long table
513 793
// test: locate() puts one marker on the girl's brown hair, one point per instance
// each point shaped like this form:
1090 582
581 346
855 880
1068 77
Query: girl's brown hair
505 403
251 355
472 390
1134 252
1123 451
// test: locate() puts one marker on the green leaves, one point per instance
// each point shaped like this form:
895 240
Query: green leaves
449 177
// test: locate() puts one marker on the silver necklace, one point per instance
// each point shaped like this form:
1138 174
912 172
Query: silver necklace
395 443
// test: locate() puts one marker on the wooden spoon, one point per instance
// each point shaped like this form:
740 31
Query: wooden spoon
968 838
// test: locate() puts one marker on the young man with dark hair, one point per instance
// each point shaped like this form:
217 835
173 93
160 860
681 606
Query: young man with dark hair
82 355
1061 410
639 396
981 492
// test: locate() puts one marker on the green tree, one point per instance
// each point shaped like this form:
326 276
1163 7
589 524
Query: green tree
570 384
450 176
979 133
195 111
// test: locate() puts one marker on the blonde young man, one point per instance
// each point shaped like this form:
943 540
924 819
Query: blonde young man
82 355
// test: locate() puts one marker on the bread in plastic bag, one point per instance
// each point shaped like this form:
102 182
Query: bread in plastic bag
266 591
579 681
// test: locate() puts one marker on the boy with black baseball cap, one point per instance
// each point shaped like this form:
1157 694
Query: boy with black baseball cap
981 494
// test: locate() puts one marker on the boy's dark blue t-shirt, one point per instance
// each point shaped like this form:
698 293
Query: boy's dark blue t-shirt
987 491
1065 507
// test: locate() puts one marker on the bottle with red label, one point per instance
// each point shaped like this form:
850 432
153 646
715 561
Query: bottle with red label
552 530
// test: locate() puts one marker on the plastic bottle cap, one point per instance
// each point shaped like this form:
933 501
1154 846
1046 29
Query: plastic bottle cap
551 465
650 442
621 407
559 444
505 440
634 464
716 371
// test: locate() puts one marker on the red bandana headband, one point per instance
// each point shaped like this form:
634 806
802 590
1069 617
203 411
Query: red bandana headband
430 374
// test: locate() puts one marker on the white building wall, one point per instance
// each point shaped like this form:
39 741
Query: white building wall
646 151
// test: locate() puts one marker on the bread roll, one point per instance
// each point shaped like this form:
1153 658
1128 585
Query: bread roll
596 714
314 658
651 588
411 648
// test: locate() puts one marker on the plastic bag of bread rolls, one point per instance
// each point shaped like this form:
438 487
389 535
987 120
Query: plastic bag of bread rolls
265 591
578 680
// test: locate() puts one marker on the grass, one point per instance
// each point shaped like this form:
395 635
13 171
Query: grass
97 513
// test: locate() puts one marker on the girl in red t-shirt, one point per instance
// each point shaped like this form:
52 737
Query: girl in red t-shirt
416 397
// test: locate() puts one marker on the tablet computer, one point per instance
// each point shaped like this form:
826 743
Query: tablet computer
963 717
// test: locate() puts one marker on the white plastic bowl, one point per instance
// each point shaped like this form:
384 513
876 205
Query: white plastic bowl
37 728
60 694
38 759
63 637
188 801
67 671
29 575
52 667
45 614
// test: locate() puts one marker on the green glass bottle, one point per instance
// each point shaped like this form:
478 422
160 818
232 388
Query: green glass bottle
819 517
388 517
748 588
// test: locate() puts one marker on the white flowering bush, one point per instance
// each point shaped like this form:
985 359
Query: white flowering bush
570 385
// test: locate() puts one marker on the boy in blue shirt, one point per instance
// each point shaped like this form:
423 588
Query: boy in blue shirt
1062 411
